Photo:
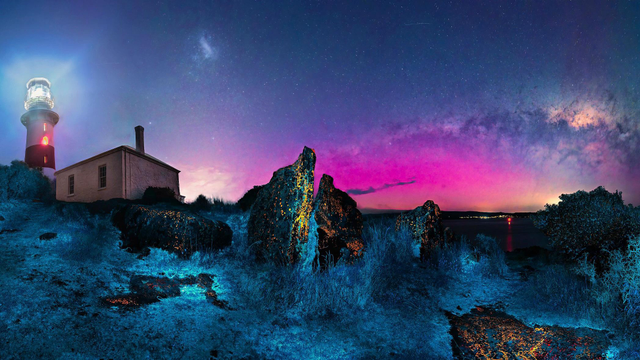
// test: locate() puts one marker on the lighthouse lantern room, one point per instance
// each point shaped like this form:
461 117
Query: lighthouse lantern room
39 121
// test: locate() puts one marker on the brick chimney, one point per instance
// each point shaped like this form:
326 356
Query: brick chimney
140 139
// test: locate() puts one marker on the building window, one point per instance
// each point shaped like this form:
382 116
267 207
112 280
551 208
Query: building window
45 126
45 140
102 176
72 185
45 159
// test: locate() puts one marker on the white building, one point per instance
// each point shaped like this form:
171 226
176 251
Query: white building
123 172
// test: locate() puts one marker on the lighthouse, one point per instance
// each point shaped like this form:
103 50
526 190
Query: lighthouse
39 121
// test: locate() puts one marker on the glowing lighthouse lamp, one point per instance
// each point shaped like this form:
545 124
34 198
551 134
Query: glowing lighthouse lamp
39 121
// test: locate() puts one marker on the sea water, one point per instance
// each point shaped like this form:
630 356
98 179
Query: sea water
518 233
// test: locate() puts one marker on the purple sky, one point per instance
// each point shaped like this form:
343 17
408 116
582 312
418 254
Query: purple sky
477 107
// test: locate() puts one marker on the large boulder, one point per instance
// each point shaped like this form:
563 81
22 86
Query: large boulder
175 231
425 225
278 227
339 223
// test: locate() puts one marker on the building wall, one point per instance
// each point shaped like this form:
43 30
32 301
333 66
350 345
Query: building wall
86 180
140 173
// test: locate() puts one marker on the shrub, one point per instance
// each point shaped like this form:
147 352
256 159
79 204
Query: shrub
480 256
620 284
215 204
490 255
201 203
153 195
218 204
451 258
555 289
88 245
631 284
18 181
249 198
306 291
77 216
614 293
589 223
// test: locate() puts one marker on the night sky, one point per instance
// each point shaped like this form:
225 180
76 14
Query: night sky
490 106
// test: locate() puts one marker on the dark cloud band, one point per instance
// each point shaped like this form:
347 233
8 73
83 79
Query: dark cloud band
372 189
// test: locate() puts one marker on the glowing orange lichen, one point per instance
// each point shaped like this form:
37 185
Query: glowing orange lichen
279 220
489 334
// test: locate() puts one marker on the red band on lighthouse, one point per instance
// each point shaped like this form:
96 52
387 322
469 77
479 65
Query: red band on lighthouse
35 156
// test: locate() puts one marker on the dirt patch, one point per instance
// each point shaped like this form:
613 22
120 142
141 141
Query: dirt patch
48 236
8 231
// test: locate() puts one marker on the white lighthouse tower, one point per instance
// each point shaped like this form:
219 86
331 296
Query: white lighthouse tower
39 121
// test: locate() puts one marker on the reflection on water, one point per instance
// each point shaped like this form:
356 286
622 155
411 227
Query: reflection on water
509 244
519 233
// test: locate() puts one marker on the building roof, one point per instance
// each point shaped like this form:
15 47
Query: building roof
125 148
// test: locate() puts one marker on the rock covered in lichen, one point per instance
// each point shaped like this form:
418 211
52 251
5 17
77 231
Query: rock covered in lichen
175 231
425 225
278 226
485 333
339 223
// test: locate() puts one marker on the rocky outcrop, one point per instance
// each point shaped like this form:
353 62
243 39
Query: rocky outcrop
485 333
145 290
339 223
425 225
155 287
175 231
278 225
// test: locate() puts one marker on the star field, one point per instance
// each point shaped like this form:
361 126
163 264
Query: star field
477 106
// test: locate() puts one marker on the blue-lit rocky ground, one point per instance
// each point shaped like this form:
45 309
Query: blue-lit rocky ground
256 280
55 291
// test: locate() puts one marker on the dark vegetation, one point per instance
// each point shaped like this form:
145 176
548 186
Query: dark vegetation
203 203
599 236
18 181
589 225
249 198
154 195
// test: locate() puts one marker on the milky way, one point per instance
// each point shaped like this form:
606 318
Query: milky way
477 107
